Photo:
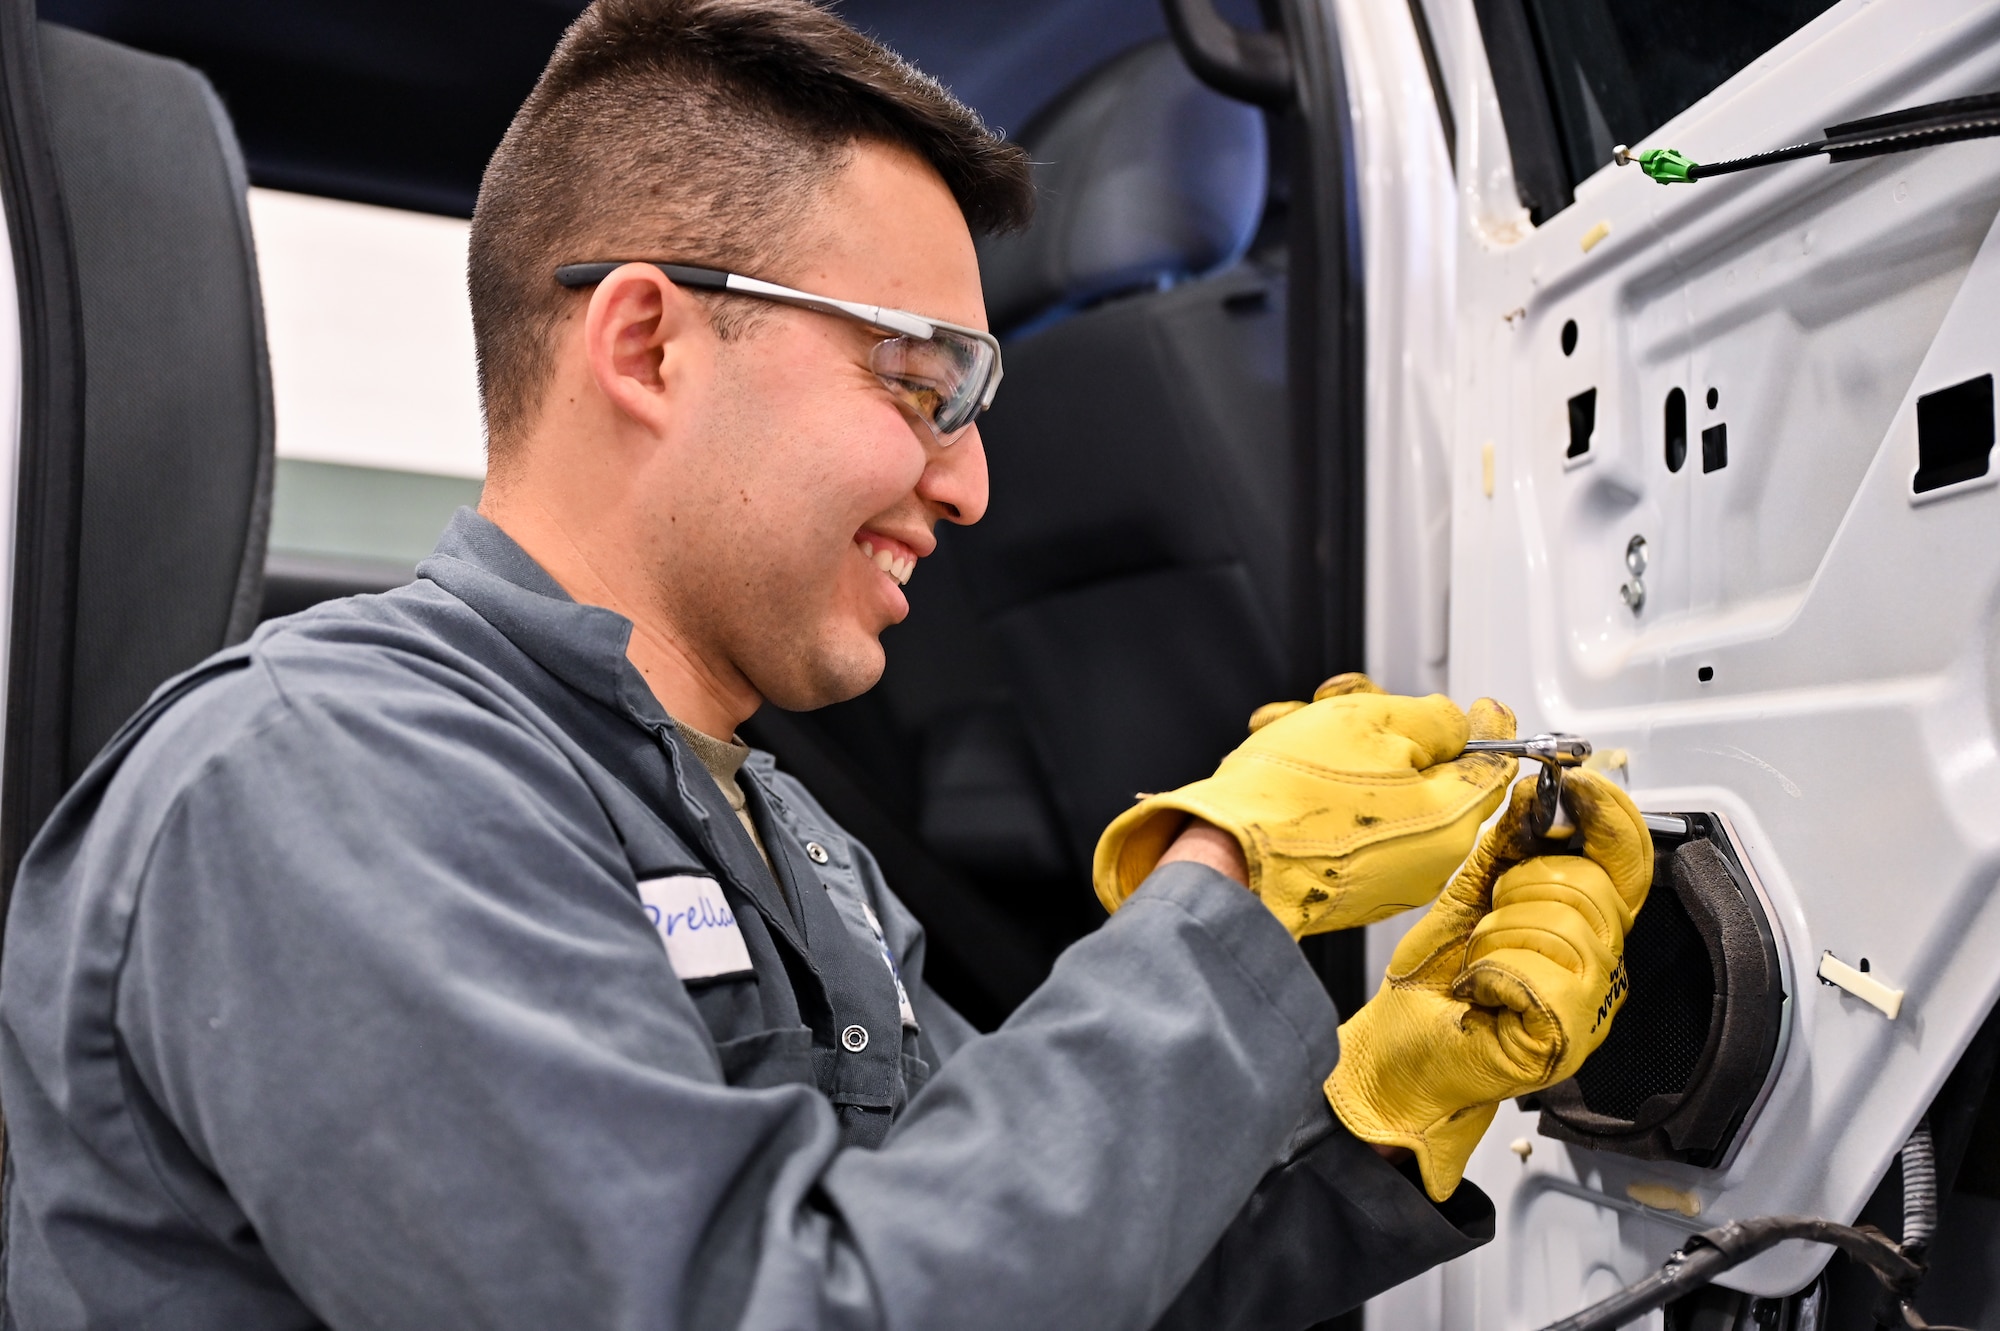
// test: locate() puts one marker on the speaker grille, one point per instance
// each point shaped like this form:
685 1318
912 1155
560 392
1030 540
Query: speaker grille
1655 1046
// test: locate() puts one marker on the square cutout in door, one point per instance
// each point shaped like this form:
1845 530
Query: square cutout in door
1582 422
1954 434
1715 448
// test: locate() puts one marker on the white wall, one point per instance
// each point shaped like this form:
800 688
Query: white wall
370 335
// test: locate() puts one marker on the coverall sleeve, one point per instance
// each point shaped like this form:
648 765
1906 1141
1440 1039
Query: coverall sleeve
388 981
1330 1228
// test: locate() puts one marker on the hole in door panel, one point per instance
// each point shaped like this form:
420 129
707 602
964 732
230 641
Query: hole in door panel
1715 448
1692 1048
1954 434
1676 429
1582 422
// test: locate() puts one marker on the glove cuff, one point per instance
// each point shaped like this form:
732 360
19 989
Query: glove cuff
1448 1145
1132 845
1441 1147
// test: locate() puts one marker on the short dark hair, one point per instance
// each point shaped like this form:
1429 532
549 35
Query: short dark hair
698 130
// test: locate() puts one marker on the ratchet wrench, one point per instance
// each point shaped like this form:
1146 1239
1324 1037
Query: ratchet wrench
1554 752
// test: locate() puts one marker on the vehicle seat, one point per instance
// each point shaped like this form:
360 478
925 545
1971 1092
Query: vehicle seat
1131 569
171 503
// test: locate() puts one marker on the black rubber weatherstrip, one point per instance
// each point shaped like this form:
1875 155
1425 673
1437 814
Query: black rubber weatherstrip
1435 72
1877 136
1541 176
1327 365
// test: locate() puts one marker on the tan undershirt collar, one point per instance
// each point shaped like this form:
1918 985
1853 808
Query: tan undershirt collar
724 758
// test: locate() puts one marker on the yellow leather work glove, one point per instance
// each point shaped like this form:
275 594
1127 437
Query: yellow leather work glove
1348 809
1504 987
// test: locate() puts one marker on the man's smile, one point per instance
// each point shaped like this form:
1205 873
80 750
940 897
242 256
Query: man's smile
887 553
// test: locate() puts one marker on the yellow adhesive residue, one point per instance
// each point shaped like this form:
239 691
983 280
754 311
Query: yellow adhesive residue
1663 1198
1594 236
1486 467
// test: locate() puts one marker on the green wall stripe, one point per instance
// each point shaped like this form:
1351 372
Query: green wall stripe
322 508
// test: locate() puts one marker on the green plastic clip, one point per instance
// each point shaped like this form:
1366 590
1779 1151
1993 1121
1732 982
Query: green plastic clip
1666 166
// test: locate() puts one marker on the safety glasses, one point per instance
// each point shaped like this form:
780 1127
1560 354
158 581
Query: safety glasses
946 373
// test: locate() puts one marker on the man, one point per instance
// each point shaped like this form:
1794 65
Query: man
436 959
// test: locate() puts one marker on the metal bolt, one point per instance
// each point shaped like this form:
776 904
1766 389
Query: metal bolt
854 1039
1634 593
1635 556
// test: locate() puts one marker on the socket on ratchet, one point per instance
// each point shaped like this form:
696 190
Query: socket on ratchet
1554 752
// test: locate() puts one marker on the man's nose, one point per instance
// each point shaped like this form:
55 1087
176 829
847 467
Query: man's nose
954 479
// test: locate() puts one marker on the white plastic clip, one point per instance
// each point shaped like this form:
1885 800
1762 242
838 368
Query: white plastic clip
1861 984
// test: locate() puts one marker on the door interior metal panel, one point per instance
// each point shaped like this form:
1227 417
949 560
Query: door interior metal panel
1730 573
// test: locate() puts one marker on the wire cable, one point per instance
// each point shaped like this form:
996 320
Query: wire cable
1899 1266
1920 1199
1899 131
1708 1254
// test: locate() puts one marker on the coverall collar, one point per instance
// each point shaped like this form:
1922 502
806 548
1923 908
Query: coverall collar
582 645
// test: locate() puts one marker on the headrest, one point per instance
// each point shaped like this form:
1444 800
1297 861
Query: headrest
1142 176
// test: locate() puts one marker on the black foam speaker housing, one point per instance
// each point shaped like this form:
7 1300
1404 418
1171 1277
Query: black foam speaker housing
1691 1050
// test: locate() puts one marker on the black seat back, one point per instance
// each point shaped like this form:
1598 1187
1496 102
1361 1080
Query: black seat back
1131 568
1132 571
177 390
141 543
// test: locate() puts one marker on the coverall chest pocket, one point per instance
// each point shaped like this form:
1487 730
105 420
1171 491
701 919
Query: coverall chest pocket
768 1058
724 953
753 1016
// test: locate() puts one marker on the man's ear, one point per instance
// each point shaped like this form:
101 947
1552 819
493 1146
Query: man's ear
641 334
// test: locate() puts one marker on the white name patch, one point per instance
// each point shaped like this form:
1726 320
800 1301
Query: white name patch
695 922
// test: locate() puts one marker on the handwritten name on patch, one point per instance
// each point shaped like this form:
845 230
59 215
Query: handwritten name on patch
695 922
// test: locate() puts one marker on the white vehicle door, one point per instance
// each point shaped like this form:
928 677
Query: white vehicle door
1720 500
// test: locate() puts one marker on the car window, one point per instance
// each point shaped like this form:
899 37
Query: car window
1613 71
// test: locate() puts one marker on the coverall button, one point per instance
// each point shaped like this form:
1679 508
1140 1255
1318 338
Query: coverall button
854 1039
817 854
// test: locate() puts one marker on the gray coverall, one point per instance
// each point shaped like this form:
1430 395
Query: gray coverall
333 995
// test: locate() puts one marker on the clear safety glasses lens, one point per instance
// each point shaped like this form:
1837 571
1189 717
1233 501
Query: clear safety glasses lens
942 378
